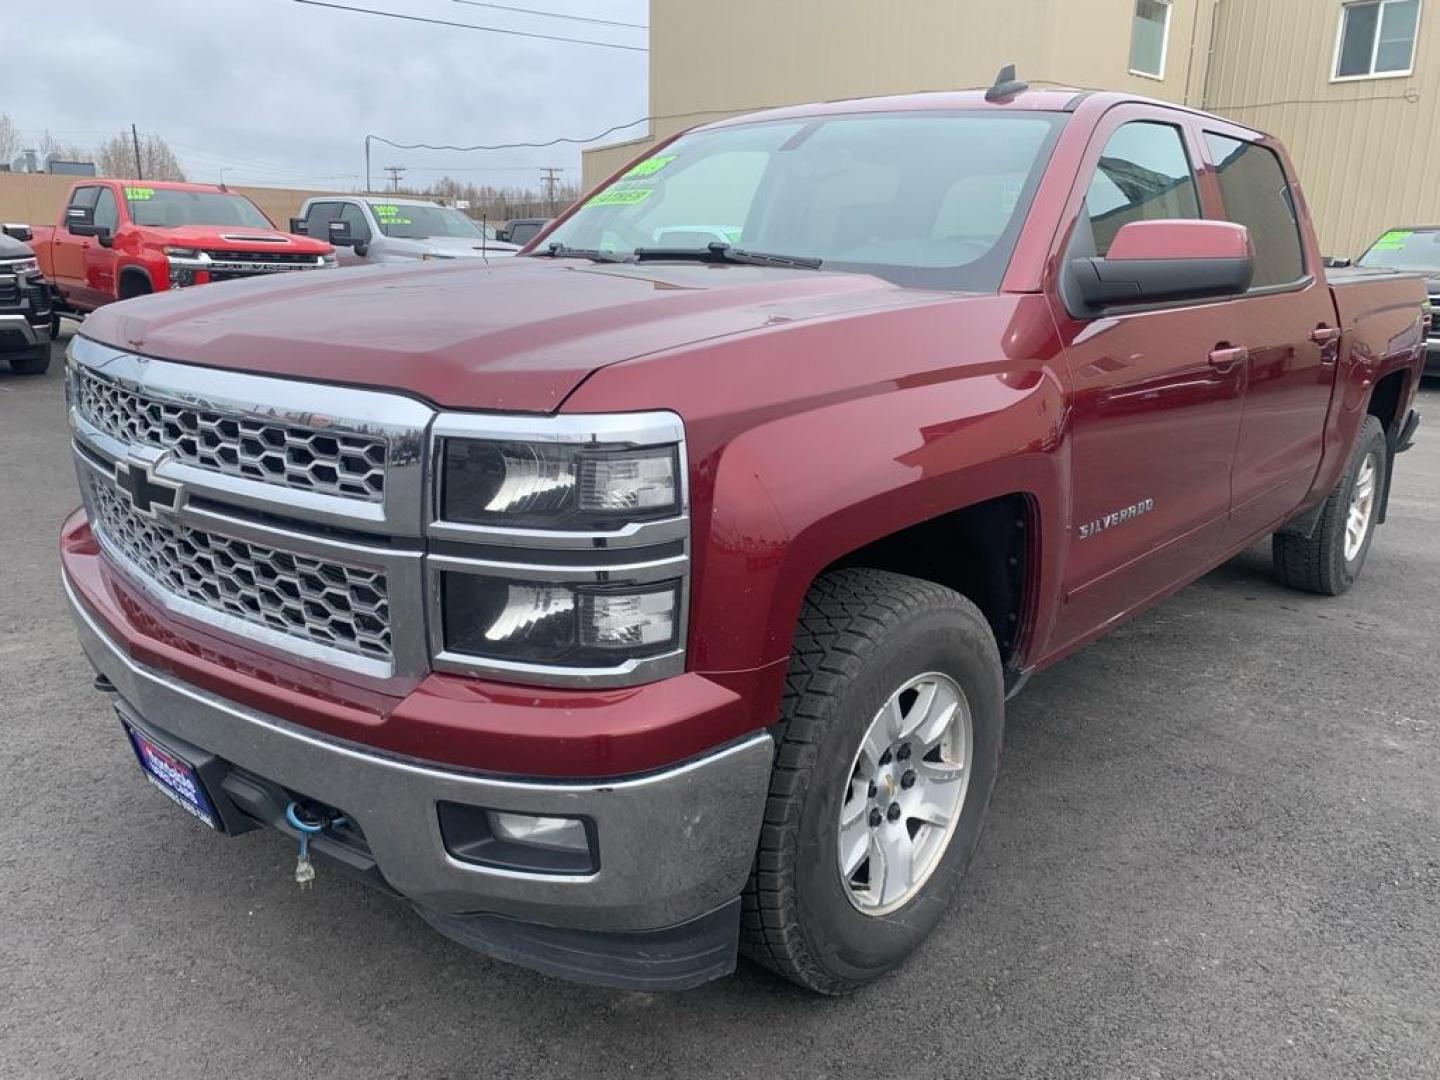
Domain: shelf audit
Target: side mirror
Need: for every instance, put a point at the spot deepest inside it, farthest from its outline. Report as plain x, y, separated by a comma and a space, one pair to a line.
103, 237
297, 226
18, 232
503, 235
340, 234
1333, 263
1166, 261
80, 220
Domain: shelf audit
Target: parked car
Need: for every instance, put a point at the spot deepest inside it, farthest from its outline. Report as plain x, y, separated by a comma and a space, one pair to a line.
386, 230
522, 230
622, 605
1415, 249
118, 239
27, 309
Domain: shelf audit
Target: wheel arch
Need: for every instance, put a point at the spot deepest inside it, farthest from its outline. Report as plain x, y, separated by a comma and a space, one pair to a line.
133, 281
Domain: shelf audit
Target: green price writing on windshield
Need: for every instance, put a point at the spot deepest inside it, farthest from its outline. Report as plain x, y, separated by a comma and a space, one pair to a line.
385, 210
139, 194
1394, 240
650, 166
622, 197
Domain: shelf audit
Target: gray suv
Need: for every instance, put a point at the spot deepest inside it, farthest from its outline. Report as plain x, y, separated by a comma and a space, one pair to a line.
376, 229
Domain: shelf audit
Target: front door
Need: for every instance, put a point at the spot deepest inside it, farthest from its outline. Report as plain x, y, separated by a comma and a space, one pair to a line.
1288, 327
1156, 405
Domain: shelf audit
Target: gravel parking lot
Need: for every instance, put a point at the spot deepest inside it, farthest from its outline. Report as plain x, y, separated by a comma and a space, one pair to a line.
1214, 851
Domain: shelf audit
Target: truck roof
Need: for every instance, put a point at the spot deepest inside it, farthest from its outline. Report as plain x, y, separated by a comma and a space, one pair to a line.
1062, 99
163, 185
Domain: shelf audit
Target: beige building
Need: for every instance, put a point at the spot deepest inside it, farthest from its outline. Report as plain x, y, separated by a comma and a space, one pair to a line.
1353, 88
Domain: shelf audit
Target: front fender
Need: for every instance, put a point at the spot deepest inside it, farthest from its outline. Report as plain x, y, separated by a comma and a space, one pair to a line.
793, 495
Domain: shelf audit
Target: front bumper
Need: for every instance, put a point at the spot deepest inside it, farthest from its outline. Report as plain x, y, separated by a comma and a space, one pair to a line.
1432, 356
674, 846
19, 332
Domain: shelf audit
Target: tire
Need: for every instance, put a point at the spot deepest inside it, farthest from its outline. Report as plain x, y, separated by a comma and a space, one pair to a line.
863, 635
34, 362
1322, 562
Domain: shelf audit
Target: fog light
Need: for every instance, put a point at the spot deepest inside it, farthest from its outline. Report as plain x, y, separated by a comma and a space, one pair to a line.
506, 840
561, 834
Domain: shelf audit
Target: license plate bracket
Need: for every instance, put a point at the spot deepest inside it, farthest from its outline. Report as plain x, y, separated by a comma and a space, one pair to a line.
173, 774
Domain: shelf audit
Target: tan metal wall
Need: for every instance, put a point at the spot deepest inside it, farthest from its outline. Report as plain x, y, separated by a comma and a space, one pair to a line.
36, 198
1368, 152
710, 59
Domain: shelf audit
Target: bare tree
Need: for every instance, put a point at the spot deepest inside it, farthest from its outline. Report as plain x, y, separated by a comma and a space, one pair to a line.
116, 157
503, 204
9, 140
64, 151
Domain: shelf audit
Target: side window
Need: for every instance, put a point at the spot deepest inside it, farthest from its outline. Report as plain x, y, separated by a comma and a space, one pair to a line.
318, 218
1143, 175
106, 216
353, 216
1377, 38
1257, 195
84, 197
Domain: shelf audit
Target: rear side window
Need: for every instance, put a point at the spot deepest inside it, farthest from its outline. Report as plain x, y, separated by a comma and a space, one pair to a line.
1143, 175
1257, 195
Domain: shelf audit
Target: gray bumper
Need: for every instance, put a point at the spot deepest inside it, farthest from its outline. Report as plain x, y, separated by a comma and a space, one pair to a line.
673, 845
33, 335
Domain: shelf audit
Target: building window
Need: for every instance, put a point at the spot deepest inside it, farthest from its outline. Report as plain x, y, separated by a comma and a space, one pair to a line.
1377, 39
1149, 38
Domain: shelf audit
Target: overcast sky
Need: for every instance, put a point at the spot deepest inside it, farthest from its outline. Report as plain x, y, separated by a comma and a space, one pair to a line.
280, 93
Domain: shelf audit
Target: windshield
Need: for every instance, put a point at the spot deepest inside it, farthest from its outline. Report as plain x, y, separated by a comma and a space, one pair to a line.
928, 199
1406, 249
167, 208
413, 221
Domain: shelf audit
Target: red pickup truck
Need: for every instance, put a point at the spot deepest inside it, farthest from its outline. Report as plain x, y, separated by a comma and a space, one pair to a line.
122, 238
656, 594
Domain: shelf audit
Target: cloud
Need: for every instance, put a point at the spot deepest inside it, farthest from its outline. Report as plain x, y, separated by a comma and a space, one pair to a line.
280, 93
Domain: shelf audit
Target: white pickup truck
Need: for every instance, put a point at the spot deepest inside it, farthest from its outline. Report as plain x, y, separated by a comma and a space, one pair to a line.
369, 229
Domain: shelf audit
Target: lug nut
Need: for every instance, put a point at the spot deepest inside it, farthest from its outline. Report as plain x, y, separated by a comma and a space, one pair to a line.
904, 752
885, 758
908, 780
873, 789
893, 813
875, 818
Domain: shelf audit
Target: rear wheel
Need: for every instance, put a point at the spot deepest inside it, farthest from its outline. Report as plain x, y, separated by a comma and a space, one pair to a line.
887, 753
1330, 559
35, 361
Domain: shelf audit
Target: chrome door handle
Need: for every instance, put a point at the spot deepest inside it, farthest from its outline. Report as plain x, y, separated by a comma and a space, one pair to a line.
1325, 335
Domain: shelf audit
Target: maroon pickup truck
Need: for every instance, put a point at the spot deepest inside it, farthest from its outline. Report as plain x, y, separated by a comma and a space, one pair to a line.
655, 595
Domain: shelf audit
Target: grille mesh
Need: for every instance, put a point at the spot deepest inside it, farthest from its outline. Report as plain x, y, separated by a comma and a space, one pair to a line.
352, 466
344, 607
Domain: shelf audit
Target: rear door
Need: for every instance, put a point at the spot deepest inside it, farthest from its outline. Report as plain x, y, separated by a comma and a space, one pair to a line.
1287, 325
1156, 400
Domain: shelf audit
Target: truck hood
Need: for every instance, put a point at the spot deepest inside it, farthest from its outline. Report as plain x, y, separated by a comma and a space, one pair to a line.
516, 334
233, 238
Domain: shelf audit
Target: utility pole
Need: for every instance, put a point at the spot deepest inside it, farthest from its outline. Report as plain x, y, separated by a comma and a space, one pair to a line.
135, 142
367, 164
395, 172
552, 180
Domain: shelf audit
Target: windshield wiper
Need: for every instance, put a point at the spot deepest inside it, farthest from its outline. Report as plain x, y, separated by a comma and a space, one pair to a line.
721, 252
560, 251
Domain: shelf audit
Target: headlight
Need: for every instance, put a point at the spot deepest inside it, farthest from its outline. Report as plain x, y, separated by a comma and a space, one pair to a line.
183, 253
329, 262
20, 266
539, 622
557, 485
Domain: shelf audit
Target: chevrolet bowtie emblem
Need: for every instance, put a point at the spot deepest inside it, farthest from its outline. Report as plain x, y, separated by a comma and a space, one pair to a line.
146, 493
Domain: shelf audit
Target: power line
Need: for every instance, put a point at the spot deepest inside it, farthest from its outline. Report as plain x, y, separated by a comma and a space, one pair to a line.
578, 142
395, 171
472, 26
553, 14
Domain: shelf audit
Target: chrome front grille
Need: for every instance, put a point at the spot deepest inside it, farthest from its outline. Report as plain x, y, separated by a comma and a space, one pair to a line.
321, 600
350, 466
